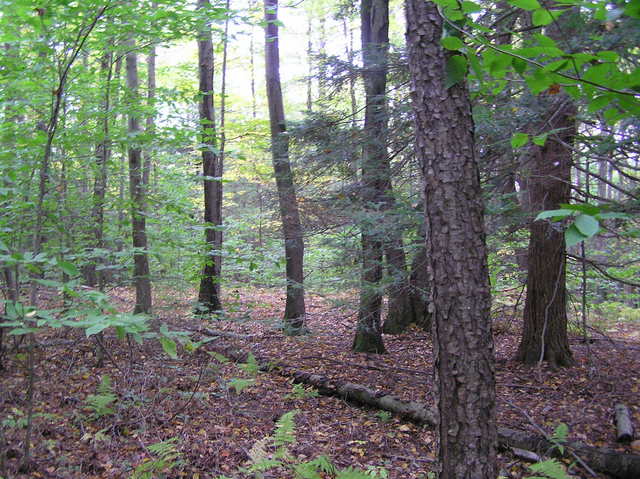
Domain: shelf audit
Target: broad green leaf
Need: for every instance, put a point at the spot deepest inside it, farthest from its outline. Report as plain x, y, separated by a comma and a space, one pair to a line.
525, 4
542, 17
452, 43
519, 140
95, 329
587, 225
540, 140
572, 236
169, 346
456, 70
585, 208
559, 214
538, 82
632, 9
470, 7
68, 268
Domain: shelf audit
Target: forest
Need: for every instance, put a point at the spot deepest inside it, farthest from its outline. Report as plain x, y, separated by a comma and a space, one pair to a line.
317, 239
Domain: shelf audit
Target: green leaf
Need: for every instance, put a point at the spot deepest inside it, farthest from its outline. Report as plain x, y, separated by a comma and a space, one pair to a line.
550, 468
456, 70
169, 346
95, 329
452, 43
542, 17
540, 140
519, 140
587, 225
572, 236
68, 268
555, 214
470, 7
538, 82
525, 4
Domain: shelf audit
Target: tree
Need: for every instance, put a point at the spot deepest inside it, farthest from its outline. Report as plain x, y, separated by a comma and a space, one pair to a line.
294, 314
137, 188
374, 15
456, 252
209, 295
544, 335
547, 186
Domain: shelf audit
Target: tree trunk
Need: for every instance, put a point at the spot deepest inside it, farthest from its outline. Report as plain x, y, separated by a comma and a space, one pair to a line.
137, 190
544, 335
456, 255
103, 153
374, 16
294, 315
209, 295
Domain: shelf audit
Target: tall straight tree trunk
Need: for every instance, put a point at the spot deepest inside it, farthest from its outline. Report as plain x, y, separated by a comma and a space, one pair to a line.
374, 16
456, 255
209, 295
103, 153
294, 315
544, 335
151, 118
137, 189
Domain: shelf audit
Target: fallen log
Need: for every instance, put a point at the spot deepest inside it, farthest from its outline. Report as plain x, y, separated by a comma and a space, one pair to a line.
620, 465
624, 426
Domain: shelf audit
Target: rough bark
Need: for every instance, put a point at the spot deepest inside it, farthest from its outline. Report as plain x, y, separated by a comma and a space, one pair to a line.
137, 190
544, 335
294, 315
456, 254
209, 294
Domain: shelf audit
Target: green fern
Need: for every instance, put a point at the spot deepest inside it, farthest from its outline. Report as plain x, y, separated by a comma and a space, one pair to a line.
167, 457
251, 367
549, 469
100, 403
285, 432
240, 384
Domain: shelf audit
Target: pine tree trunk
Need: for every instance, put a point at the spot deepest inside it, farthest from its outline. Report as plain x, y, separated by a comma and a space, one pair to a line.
294, 315
137, 191
209, 294
374, 17
544, 335
456, 255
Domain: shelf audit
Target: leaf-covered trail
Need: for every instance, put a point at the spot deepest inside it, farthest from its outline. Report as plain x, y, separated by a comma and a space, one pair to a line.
192, 398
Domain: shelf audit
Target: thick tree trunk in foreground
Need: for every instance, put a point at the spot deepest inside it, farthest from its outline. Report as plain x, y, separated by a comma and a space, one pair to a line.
294, 314
456, 255
209, 294
544, 335
137, 191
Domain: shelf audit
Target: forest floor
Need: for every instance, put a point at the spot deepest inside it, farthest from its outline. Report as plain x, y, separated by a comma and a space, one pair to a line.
214, 429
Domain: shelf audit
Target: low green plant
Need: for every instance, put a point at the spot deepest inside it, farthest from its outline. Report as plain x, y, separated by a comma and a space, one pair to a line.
167, 457
101, 402
273, 452
551, 468
298, 391
384, 416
